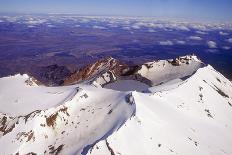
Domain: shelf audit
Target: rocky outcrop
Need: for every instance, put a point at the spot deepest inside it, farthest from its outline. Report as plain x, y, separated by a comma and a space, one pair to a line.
97, 69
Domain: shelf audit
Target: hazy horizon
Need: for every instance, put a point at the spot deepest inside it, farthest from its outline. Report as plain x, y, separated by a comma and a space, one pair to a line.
205, 10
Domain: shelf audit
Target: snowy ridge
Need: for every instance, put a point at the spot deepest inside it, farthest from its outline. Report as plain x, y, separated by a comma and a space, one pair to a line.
189, 113
192, 118
51, 131
162, 71
151, 73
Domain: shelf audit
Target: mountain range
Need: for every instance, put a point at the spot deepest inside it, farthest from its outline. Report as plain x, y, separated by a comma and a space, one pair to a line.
177, 106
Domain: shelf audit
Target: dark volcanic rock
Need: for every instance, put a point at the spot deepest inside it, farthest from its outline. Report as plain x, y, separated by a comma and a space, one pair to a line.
52, 75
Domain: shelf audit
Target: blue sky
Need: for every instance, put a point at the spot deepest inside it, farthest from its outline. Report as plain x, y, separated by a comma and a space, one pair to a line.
215, 10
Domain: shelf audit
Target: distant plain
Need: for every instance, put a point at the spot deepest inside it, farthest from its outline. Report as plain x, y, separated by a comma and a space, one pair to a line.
28, 42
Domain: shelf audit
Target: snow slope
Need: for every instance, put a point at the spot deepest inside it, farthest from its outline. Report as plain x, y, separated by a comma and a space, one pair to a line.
88, 115
17, 93
193, 117
162, 71
190, 113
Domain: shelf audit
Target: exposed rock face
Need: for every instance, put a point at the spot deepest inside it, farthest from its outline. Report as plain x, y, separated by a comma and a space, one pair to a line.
100, 67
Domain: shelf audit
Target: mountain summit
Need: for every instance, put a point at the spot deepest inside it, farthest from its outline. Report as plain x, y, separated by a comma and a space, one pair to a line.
176, 106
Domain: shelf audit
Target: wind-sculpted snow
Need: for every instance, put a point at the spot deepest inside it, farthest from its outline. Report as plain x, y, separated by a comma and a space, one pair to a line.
189, 112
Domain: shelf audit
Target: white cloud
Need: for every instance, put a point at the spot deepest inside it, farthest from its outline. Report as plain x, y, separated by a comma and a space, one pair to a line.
31, 26
223, 33
226, 47
195, 38
167, 43
135, 26
180, 42
33, 21
98, 27
157, 25
138, 25
184, 28
212, 50
199, 27
126, 21
113, 25
84, 20
126, 28
50, 25
212, 44
230, 40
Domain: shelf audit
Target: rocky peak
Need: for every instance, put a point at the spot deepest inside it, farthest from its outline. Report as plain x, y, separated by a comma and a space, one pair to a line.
96, 69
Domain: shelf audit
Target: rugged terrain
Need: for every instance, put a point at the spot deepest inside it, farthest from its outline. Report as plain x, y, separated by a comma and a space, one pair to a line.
176, 106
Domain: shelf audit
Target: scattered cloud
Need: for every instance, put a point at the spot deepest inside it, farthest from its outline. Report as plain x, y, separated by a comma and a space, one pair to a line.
183, 28
32, 21
126, 21
226, 47
135, 26
138, 25
180, 42
84, 20
98, 27
157, 25
223, 33
230, 40
195, 38
166, 43
31, 26
212, 50
199, 27
113, 25
126, 28
212, 44
50, 25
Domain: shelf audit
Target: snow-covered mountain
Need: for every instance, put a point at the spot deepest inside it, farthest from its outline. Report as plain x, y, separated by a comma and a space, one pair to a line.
179, 106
